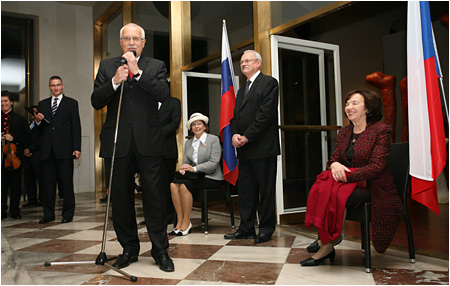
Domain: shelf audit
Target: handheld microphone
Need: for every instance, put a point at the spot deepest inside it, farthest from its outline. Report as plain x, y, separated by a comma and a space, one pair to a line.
124, 61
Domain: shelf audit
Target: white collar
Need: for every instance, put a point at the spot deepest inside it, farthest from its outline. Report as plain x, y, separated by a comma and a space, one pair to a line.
252, 79
202, 138
59, 97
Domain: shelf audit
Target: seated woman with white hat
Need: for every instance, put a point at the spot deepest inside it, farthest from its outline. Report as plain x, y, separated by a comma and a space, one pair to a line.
202, 155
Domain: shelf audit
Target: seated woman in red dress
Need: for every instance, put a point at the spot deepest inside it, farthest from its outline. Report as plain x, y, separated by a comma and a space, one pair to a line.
357, 173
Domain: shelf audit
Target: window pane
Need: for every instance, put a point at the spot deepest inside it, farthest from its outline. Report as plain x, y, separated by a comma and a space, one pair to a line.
153, 16
206, 24
285, 11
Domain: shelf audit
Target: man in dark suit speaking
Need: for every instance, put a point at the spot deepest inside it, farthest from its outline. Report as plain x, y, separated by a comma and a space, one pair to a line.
60, 143
140, 143
254, 127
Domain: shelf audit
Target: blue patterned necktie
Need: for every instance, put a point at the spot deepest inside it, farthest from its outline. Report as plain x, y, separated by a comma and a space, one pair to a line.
54, 106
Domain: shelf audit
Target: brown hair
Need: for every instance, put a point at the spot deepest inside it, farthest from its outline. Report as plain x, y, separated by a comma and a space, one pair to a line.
372, 102
6, 93
206, 126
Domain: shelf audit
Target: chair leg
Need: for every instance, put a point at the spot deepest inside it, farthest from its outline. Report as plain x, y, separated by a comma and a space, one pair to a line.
230, 202
412, 254
205, 214
363, 238
367, 259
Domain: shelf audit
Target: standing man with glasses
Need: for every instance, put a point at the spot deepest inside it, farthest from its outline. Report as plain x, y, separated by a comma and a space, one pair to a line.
60, 143
254, 127
140, 143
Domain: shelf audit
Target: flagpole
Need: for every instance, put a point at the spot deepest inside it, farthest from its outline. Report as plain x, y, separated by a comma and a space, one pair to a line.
444, 99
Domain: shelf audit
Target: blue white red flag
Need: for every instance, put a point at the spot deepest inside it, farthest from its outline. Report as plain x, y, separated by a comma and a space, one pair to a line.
230, 165
426, 125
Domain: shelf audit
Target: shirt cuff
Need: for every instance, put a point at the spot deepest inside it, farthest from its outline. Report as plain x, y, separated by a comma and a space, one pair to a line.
195, 169
140, 74
115, 86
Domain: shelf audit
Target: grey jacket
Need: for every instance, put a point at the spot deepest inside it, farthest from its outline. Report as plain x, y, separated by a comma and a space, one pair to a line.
209, 155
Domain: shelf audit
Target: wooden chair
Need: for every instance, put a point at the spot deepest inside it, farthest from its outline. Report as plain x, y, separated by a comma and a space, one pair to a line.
398, 166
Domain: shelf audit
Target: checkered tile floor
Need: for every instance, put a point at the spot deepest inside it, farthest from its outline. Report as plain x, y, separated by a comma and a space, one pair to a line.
199, 258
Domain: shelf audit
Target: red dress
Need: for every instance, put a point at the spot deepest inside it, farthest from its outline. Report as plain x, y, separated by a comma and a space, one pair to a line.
326, 204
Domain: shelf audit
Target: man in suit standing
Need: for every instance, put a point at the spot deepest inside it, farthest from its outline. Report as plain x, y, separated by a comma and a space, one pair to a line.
254, 127
14, 131
60, 143
32, 171
140, 143
170, 116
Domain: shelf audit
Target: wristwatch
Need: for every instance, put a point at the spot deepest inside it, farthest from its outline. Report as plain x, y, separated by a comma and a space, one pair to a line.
138, 73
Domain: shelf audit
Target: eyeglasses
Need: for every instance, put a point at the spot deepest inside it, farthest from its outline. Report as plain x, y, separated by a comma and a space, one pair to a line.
135, 39
247, 61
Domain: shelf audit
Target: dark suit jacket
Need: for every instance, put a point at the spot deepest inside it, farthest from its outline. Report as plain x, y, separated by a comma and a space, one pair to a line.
19, 130
139, 112
370, 159
170, 116
64, 130
257, 119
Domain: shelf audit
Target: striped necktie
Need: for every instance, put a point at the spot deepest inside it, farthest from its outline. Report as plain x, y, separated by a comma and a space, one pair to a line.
54, 106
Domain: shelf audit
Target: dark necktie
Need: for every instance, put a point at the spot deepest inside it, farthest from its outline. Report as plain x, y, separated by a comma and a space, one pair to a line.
54, 106
247, 87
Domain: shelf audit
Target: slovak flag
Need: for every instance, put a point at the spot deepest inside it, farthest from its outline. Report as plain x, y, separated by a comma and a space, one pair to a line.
230, 165
426, 125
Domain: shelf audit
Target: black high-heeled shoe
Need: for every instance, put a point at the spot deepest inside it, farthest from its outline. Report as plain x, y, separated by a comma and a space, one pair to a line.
314, 262
314, 247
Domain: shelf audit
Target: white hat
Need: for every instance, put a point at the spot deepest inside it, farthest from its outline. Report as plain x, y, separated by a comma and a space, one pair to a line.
196, 116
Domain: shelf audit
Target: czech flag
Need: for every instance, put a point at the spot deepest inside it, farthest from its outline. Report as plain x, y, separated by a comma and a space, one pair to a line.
426, 125
230, 165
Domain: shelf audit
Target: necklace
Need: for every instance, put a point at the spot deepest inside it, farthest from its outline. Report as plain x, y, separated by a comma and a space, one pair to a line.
354, 138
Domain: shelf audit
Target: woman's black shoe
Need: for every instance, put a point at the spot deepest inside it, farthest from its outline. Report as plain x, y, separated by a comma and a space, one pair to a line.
314, 247
314, 262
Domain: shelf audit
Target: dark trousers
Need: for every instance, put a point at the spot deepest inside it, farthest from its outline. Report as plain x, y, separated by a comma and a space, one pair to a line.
256, 182
12, 180
153, 198
57, 172
169, 165
32, 176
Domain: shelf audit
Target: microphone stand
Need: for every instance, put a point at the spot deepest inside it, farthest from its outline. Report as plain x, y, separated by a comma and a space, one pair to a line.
101, 258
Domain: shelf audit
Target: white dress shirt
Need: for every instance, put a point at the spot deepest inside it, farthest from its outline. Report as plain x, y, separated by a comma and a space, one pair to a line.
196, 145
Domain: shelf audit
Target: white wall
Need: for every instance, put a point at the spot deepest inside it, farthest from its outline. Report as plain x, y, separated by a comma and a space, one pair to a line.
64, 47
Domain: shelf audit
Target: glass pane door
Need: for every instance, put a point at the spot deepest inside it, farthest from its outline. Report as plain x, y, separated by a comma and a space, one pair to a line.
310, 106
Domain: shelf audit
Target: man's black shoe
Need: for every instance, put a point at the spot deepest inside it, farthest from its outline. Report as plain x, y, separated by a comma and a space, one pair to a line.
124, 260
46, 220
239, 235
30, 205
104, 200
66, 220
16, 216
262, 238
165, 263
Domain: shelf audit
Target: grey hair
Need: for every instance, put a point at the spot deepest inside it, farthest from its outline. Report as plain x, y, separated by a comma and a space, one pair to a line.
255, 53
133, 24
